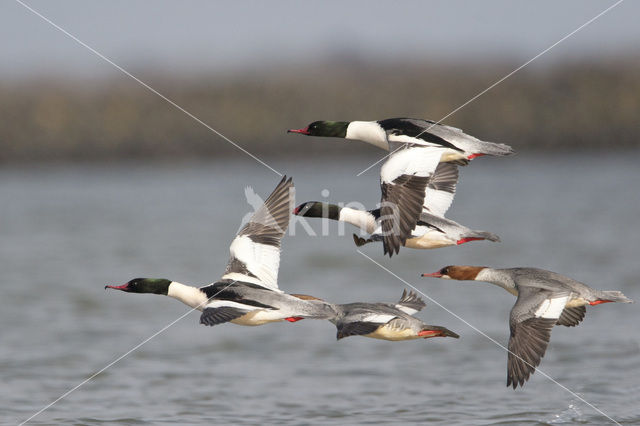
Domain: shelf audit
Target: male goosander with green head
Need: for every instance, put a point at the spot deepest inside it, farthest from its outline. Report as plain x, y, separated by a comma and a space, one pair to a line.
458, 146
432, 230
545, 299
247, 293
417, 147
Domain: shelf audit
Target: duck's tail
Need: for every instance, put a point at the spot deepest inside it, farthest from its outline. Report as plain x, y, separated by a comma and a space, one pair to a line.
477, 235
492, 148
612, 296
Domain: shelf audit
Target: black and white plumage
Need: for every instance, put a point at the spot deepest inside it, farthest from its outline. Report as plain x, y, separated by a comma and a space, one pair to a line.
247, 293
545, 299
416, 148
404, 180
432, 229
255, 251
386, 321
458, 146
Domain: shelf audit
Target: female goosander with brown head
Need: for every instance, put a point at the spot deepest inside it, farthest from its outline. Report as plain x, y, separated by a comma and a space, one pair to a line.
545, 299
247, 293
459, 147
386, 321
432, 230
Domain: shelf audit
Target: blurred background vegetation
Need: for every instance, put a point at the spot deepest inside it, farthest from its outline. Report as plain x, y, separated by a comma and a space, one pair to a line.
253, 69
578, 105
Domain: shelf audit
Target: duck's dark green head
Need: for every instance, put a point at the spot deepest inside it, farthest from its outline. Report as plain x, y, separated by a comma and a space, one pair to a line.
144, 285
317, 209
330, 129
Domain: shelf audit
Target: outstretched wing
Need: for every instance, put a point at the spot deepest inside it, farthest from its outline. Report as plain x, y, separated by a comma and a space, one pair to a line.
571, 317
403, 180
532, 317
410, 303
255, 252
441, 189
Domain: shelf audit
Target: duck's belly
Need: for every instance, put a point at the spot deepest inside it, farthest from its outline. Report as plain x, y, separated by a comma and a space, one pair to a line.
259, 317
451, 156
576, 302
388, 333
430, 240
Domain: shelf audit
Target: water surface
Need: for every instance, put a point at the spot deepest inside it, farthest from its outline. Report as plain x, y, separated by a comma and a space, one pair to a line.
66, 231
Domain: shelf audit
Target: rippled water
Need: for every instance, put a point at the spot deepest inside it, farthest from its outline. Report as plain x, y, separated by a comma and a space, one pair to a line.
66, 231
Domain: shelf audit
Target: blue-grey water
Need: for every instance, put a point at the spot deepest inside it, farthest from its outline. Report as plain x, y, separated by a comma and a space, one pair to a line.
66, 231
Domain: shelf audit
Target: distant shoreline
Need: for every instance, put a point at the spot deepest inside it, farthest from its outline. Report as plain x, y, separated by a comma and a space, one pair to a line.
574, 106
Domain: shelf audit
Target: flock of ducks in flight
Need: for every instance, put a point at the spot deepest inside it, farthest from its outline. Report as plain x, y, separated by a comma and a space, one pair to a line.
418, 182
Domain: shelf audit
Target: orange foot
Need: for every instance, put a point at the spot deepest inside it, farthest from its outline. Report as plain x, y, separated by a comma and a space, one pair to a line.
466, 240
597, 302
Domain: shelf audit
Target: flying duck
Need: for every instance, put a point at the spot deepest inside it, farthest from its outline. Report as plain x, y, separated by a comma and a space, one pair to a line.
409, 168
432, 230
459, 147
545, 299
247, 293
386, 321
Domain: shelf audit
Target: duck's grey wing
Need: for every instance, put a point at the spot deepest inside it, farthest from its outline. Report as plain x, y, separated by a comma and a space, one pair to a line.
255, 252
532, 317
571, 317
403, 181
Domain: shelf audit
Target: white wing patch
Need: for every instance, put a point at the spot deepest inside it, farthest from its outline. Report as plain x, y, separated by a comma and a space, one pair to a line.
378, 318
406, 309
411, 161
551, 308
262, 260
216, 303
437, 202
412, 140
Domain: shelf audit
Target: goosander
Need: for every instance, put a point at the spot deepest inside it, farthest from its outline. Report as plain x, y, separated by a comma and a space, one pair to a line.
432, 229
247, 293
545, 299
459, 147
386, 321
406, 173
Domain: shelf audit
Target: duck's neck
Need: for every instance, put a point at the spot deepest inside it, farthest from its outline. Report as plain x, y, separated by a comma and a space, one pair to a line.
368, 131
189, 295
359, 218
498, 277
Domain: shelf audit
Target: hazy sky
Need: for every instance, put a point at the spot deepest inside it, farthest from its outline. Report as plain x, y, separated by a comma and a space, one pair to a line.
174, 36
